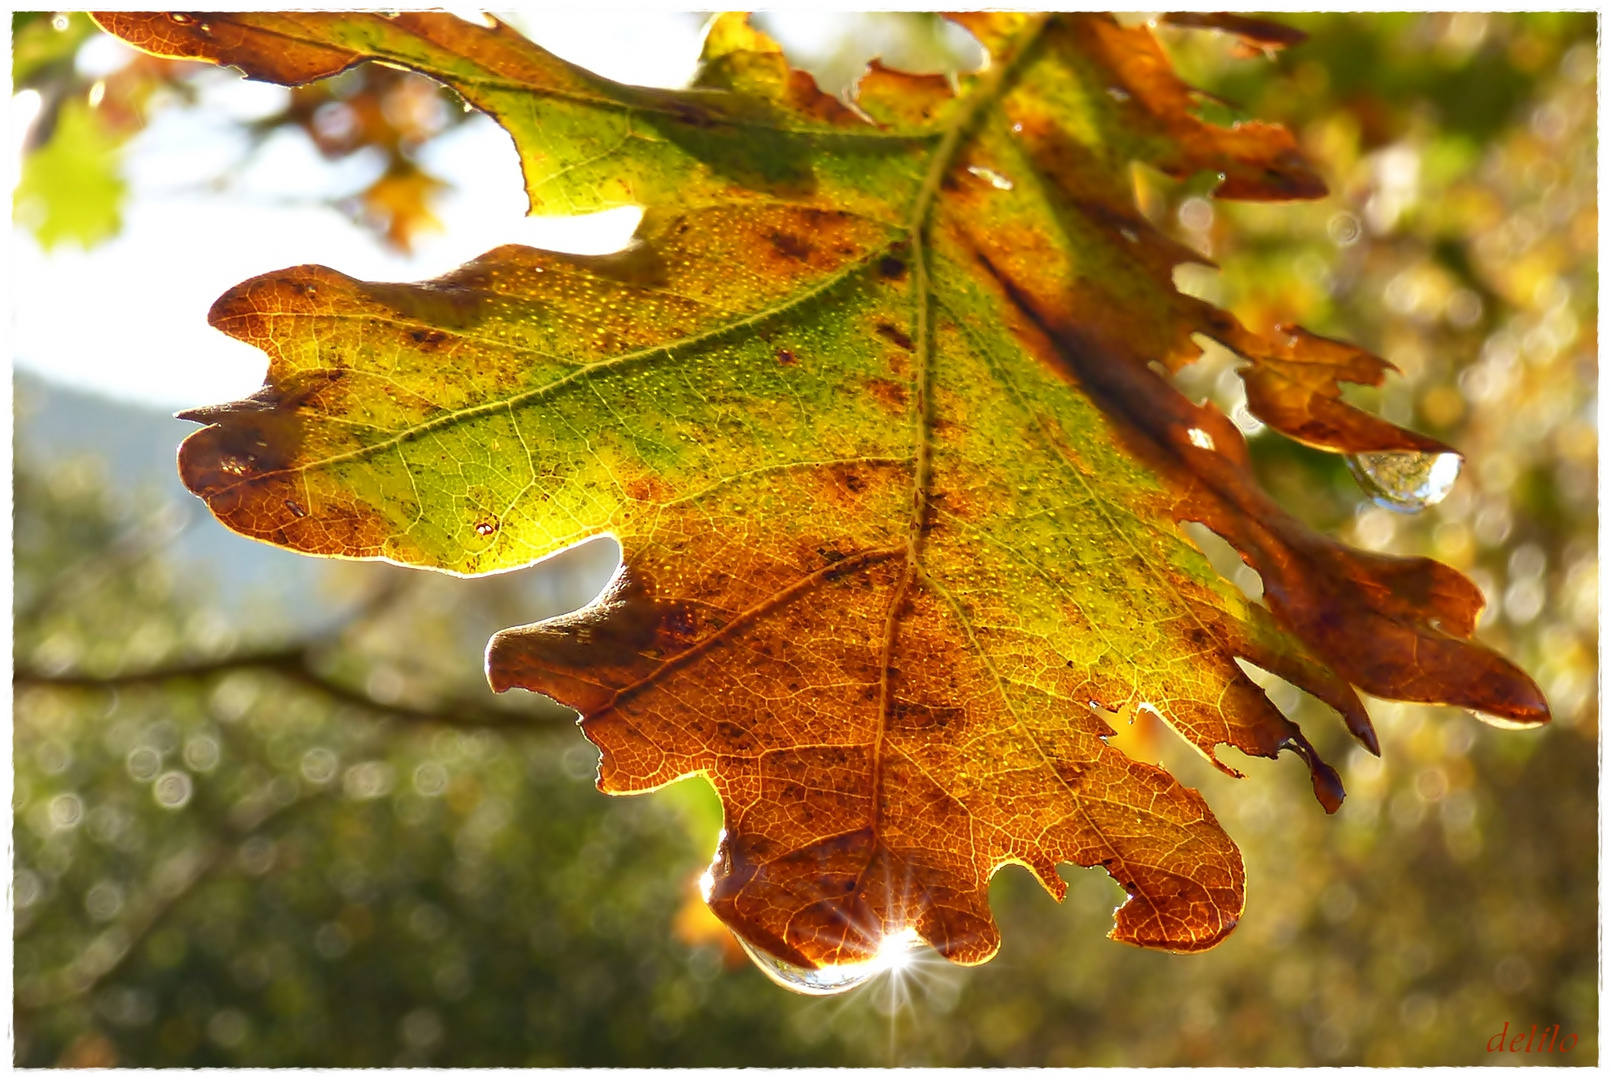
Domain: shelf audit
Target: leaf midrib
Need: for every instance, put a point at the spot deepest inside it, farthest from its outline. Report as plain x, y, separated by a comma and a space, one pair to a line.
986, 92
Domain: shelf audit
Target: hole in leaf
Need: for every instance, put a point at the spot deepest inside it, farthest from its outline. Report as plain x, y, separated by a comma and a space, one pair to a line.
1282, 694
1139, 733
837, 48
1225, 559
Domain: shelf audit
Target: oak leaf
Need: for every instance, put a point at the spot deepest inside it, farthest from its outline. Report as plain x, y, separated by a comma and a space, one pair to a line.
877, 406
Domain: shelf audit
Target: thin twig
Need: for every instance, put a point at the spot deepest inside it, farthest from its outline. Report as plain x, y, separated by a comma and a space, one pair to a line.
295, 664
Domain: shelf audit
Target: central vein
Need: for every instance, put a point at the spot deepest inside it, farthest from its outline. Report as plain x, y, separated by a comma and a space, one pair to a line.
986, 92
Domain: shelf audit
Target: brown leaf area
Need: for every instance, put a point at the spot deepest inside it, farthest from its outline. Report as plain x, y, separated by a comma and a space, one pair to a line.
892, 646
868, 778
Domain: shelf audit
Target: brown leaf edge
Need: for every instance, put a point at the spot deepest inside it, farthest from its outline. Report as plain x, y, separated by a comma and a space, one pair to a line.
1293, 377
1259, 34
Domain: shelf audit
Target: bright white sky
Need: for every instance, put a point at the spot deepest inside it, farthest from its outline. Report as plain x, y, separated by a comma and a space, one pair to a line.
128, 319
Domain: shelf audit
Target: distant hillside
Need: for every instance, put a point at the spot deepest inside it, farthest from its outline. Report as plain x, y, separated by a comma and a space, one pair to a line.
137, 445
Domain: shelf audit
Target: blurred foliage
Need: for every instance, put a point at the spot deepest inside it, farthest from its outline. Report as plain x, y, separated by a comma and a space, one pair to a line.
72, 188
238, 867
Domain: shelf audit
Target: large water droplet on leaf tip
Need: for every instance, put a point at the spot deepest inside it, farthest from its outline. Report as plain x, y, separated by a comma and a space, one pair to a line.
1405, 480
835, 979
1504, 723
893, 954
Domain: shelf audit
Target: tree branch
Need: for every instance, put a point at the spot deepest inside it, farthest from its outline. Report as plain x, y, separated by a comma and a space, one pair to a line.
294, 664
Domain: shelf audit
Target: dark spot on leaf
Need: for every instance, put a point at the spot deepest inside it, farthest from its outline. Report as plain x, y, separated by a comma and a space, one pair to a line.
648, 488
790, 245
891, 267
891, 394
895, 334
787, 358
852, 480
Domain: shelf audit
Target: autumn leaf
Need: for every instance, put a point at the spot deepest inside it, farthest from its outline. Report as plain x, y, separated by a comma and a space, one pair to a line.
877, 405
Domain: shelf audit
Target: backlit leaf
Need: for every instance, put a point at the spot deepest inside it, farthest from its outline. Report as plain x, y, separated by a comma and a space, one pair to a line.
71, 189
877, 406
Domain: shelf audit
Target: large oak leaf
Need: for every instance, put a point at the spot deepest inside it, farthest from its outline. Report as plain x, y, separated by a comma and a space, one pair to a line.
877, 406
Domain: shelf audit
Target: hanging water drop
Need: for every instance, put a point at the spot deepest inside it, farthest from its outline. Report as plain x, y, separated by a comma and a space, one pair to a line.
1504, 723
893, 954
819, 982
991, 177
1405, 480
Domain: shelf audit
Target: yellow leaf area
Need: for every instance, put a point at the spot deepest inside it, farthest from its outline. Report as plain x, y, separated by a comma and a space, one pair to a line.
873, 405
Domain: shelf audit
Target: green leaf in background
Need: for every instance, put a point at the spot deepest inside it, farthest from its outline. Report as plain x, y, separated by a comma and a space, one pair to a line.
71, 190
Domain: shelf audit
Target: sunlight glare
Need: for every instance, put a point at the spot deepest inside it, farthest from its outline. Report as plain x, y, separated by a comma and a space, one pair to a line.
895, 951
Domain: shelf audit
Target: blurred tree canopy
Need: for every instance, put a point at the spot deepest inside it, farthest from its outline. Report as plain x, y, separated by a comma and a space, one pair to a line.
91, 106
235, 847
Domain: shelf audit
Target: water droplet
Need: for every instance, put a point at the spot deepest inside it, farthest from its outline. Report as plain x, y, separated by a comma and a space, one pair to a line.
486, 528
1405, 480
1130, 235
1117, 94
893, 954
997, 181
296, 511
180, 18
60, 22
172, 789
1503, 723
1200, 438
